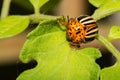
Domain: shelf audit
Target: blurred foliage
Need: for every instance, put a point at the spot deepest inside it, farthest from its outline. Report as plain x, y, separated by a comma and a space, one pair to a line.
50, 5
45, 9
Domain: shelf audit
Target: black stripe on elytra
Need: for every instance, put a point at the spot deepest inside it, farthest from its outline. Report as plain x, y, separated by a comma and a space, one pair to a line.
89, 39
87, 20
92, 28
89, 23
91, 33
81, 17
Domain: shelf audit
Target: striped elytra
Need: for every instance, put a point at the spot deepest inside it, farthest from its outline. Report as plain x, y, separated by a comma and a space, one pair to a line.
81, 30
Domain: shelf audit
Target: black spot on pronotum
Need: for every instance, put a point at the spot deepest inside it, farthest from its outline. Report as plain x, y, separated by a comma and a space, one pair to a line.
77, 40
85, 28
75, 23
82, 34
78, 32
70, 29
81, 29
70, 33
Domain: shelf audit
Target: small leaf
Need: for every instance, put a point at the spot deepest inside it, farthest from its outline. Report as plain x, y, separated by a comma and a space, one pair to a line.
56, 60
114, 33
111, 73
13, 25
105, 8
38, 3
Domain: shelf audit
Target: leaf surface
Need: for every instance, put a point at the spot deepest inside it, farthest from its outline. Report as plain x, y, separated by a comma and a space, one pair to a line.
114, 33
105, 8
56, 60
13, 25
111, 73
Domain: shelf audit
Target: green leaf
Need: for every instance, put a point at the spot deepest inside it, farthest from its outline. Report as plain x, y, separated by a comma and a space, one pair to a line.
56, 60
38, 3
105, 8
97, 3
13, 25
111, 73
114, 33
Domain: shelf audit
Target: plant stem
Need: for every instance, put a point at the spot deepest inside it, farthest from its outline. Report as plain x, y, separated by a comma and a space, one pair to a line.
5, 8
109, 46
41, 17
36, 11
